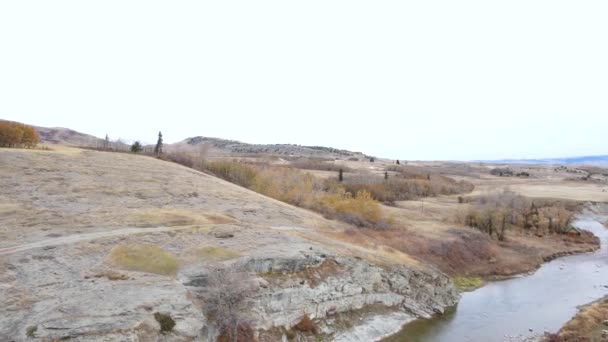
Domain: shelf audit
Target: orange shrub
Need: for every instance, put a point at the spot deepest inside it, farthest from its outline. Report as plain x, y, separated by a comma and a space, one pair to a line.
14, 134
361, 210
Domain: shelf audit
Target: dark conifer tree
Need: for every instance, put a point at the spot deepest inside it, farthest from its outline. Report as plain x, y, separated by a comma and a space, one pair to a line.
158, 149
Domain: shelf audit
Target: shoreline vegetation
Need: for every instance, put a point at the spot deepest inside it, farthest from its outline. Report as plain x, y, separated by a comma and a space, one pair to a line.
589, 324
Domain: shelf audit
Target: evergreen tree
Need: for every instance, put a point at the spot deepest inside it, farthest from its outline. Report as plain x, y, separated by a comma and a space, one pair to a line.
106, 142
385, 175
398, 162
136, 147
159, 144
340, 175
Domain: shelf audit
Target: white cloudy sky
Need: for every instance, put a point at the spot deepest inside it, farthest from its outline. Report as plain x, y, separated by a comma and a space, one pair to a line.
401, 79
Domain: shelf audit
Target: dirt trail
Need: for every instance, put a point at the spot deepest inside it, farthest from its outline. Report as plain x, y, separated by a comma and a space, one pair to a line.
64, 240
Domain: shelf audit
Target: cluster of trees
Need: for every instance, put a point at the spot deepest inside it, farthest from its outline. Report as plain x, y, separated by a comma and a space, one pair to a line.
14, 134
402, 187
496, 213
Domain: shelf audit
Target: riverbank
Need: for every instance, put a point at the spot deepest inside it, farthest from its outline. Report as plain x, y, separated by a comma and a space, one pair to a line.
523, 307
590, 324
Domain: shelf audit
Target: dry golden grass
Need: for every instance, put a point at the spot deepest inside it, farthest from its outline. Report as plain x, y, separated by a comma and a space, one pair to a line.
215, 253
170, 217
144, 258
586, 325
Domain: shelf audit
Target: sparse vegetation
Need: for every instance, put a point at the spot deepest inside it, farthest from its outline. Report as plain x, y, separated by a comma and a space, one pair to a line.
318, 164
226, 304
587, 325
14, 134
405, 187
144, 258
468, 283
167, 323
217, 253
307, 325
301, 189
31, 331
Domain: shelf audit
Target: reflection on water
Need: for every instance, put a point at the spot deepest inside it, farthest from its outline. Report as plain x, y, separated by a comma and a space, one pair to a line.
523, 306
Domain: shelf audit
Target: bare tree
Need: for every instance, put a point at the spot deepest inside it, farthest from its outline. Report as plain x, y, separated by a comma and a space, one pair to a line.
227, 304
200, 156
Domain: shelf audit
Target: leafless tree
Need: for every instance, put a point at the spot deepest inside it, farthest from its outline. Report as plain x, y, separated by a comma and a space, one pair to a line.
227, 303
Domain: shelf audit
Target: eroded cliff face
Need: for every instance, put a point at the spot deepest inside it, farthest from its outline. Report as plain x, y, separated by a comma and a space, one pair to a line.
282, 291
275, 291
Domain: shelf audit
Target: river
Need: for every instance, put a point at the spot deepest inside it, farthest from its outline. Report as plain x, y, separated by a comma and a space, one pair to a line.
521, 307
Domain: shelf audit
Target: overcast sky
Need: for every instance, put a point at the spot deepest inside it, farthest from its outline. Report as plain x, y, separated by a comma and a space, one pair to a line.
400, 79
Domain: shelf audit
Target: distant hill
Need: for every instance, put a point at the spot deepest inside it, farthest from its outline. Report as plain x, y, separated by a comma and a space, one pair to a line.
589, 160
65, 136
233, 147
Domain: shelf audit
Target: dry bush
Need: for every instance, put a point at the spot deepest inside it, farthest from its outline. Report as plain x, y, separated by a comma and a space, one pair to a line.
14, 134
306, 325
405, 187
144, 258
298, 188
587, 325
316, 164
233, 172
464, 253
226, 303
361, 210
216, 253
288, 185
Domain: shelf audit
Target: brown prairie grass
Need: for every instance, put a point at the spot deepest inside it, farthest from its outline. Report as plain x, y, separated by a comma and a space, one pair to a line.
215, 253
171, 217
587, 325
144, 258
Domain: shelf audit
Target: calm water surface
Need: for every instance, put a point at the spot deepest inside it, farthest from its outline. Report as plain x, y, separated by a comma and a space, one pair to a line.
543, 301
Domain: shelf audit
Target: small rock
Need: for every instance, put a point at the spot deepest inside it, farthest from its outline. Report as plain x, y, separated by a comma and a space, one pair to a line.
605, 323
223, 235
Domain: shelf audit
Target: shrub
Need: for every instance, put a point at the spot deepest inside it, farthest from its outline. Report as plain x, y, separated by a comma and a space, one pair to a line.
234, 172
361, 210
306, 325
14, 134
136, 147
400, 188
31, 331
166, 322
237, 332
316, 164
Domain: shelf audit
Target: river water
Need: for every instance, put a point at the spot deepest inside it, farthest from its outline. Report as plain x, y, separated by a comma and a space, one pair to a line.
521, 307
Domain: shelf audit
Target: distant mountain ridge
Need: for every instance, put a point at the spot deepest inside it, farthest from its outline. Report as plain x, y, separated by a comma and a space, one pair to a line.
593, 160
241, 148
66, 136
